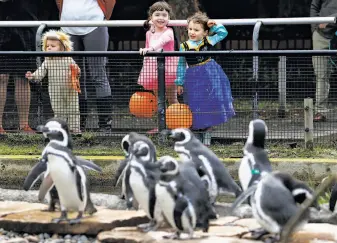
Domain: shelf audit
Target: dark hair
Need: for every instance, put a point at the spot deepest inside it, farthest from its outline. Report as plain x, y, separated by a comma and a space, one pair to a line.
161, 6
199, 18
158, 6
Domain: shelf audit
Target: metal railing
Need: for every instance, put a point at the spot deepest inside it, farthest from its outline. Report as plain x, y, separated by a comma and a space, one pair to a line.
123, 71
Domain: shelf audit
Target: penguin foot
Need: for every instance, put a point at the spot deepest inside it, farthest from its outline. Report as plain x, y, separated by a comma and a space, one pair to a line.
257, 234
77, 219
147, 227
174, 236
272, 239
62, 218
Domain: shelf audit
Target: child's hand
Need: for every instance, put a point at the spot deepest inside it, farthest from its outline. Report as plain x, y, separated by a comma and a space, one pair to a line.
29, 75
322, 26
180, 90
211, 23
143, 51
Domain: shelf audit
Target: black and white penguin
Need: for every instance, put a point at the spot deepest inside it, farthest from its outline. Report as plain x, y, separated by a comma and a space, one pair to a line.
333, 198
255, 160
300, 190
183, 197
126, 144
273, 204
144, 175
40, 167
189, 148
64, 173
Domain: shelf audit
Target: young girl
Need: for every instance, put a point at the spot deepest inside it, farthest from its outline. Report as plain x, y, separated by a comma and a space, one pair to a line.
207, 88
158, 37
63, 83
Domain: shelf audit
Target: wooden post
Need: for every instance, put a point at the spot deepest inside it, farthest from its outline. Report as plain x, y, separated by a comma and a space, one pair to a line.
309, 123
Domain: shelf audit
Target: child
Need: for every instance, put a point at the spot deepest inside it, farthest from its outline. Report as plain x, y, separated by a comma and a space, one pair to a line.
159, 37
63, 86
207, 87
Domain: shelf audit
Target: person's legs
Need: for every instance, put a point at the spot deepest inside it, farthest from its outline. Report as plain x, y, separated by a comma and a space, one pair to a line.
22, 99
83, 106
322, 70
171, 94
98, 41
73, 112
3, 95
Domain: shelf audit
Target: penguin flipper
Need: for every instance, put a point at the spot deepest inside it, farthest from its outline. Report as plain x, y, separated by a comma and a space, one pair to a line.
46, 185
120, 172
243, 197
35, 173
333, 198
87, 164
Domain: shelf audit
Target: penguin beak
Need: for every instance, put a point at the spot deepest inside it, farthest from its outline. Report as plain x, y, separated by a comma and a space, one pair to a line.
42, 129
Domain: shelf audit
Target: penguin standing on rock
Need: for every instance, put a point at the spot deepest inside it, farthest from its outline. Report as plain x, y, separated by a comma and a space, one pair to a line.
182, 197
64, 172
143, 177
40, 168
273, 205
127, 144
208, 165
333, 198
255, 160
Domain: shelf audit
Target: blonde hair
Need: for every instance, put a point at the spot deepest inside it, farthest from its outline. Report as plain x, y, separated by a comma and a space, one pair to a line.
199, 18
57, 35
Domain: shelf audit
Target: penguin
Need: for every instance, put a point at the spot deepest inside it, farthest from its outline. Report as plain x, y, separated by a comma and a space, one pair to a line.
64, 173
126, 144
143, 176
40, 168
333, 198
273, 204
189, 148
255, 160
183, 197
300, 190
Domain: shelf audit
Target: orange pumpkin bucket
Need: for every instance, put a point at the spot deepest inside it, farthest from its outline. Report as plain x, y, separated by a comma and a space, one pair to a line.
143, 104
178, 116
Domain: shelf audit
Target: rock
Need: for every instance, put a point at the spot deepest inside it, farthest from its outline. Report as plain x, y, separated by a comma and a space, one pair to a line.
32, 238
17, 240
25, 217
227, 229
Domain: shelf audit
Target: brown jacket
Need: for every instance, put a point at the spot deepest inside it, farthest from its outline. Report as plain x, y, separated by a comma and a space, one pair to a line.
106, 6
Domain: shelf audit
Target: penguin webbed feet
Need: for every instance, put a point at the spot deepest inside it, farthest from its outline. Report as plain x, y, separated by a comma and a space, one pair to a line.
77, 219
257, 234
174, 236
64, 217
147, 227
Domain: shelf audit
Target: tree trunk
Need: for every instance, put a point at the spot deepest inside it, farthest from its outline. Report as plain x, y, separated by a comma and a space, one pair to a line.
183, 11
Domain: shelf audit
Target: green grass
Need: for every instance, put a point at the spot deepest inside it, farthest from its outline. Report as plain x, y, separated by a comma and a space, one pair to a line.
88, 144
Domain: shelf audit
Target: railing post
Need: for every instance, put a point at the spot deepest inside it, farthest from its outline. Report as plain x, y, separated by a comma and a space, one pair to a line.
282, 85
38, 47
309, 123
256, 31
161, 97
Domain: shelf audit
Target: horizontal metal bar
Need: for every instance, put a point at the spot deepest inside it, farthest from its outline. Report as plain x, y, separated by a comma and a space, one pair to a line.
298, 53
139, 23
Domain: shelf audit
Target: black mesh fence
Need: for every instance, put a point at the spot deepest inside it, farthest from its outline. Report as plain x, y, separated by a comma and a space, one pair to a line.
218, 94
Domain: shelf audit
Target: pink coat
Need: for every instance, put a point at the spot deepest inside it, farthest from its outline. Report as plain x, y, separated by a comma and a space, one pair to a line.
148, 77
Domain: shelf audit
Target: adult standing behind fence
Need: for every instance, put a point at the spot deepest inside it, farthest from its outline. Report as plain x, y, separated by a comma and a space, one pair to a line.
17, 39
321, 37
91, 39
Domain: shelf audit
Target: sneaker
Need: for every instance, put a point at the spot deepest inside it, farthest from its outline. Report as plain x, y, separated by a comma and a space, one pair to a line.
2, 131
27, 129
153, 131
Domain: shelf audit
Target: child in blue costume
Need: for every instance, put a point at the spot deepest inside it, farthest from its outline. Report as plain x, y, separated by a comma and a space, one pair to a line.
206, 87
